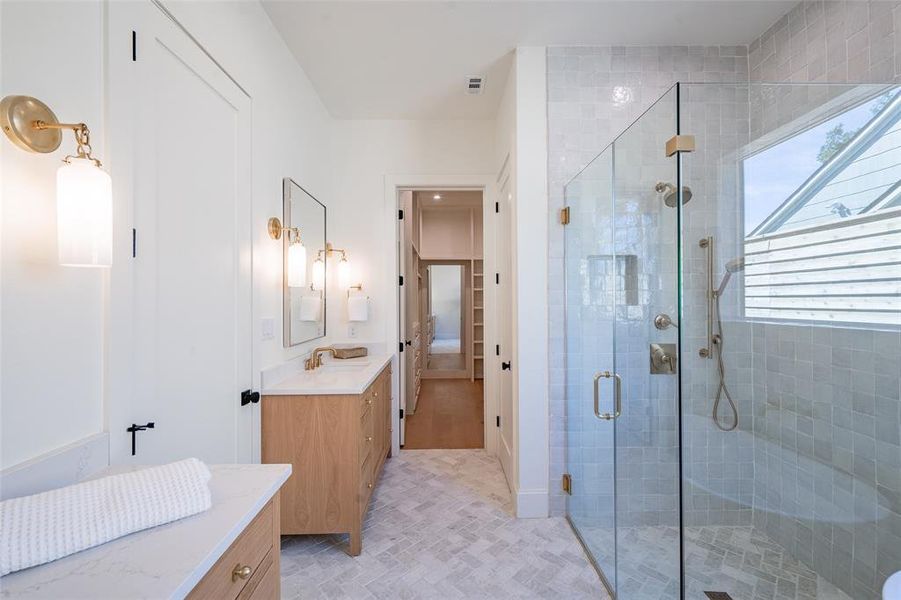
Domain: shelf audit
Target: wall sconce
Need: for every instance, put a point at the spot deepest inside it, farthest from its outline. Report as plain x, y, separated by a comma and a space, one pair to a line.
84, 196
296, 258
344, 271
318, 283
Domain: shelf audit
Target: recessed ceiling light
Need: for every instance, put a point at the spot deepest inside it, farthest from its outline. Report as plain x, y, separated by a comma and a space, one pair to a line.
436, 197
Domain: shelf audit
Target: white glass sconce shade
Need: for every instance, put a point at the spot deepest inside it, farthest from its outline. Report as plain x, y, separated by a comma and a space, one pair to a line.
344, 274
297, 264
318, 274
84, 213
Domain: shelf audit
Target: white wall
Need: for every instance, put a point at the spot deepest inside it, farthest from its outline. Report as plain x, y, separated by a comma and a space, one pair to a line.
365, 153
530, 261
52, 317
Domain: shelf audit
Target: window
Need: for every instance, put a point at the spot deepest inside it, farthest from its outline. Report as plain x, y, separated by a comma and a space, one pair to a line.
822, 214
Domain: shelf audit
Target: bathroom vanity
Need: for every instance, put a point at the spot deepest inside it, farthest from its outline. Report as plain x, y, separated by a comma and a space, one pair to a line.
333, 425
230, 551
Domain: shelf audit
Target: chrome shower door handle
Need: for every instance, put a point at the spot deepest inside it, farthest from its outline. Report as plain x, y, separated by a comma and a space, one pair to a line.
617, 395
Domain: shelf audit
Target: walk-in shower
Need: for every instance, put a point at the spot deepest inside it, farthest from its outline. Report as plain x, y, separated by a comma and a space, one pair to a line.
784, 323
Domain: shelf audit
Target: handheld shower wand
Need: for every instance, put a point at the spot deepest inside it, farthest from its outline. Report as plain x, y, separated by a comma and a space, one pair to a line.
733, 266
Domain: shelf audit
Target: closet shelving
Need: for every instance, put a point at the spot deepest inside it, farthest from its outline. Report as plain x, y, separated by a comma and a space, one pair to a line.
478, 319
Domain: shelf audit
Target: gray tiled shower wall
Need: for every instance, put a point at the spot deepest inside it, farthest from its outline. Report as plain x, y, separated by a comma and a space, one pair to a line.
816, 461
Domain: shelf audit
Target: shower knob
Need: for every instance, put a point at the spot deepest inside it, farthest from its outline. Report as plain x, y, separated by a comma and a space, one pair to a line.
664, 321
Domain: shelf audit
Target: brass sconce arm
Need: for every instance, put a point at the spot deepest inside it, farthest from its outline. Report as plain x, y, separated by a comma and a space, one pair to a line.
32, 126
276, 229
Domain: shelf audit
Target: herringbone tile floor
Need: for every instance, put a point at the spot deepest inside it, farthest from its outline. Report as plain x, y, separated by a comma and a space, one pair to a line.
440, 526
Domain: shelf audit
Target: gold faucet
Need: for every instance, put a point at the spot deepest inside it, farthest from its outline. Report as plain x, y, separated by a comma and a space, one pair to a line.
315, 360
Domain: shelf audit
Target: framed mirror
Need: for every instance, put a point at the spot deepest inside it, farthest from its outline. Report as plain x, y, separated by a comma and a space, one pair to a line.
303, 281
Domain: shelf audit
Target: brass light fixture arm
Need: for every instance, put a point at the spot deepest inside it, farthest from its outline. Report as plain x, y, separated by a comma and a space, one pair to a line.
82, 138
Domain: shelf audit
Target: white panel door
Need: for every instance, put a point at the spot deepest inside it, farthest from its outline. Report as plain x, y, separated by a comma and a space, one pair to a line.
192, 269
504, 320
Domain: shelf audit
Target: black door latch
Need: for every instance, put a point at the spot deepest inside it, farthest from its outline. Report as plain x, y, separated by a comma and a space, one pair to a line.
247, 397
505, 366
134, 429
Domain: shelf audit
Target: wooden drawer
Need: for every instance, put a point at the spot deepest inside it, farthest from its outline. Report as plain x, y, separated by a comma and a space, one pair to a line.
250, 549
264, 584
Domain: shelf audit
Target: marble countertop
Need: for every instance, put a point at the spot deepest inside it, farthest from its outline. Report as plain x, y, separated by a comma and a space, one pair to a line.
349, 376
161, 562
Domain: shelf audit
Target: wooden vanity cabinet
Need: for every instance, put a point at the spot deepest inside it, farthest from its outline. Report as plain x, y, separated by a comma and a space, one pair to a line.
337, 446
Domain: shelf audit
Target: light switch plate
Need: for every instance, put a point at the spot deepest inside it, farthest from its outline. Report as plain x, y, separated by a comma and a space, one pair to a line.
267, 328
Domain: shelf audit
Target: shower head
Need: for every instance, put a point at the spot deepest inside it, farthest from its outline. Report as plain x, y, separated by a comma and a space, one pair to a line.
671, 197
733, 266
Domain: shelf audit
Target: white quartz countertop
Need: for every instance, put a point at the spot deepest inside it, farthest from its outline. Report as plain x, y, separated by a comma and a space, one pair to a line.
349, 376
161, 562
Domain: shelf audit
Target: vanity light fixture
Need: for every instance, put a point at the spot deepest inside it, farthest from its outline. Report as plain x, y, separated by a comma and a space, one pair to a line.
318, 282
296, 257
84, 191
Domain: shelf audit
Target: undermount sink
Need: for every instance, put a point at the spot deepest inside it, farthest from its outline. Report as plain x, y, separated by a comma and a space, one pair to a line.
337, 366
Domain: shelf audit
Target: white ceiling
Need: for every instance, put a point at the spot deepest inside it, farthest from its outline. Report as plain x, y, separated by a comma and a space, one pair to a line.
409, 59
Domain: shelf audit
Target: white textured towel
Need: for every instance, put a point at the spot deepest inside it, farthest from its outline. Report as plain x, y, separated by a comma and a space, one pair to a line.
44, 527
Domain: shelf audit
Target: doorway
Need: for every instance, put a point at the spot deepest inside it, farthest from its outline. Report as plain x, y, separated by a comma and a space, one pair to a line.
442, 316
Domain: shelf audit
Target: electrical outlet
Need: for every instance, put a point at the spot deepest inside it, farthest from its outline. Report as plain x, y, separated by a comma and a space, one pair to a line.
352, 330
267, 328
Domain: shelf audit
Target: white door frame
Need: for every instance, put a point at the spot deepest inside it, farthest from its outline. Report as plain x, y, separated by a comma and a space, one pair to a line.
485, 183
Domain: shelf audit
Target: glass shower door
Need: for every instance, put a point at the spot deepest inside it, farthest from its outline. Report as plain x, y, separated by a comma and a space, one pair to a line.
589, 272
622, 387
646, 439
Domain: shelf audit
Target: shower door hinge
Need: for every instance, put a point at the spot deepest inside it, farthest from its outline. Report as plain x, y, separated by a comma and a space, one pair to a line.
568, 483
400, 215
564, 215
680, 143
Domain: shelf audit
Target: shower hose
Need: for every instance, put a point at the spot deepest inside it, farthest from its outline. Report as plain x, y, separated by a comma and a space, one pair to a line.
721, 390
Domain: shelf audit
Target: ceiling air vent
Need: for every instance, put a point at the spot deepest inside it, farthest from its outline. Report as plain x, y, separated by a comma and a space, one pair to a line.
475, 85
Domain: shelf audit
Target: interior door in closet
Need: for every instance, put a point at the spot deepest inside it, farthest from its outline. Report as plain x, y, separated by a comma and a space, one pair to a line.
192, 306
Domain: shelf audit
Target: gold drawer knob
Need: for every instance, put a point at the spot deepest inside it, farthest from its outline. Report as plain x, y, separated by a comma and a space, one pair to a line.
369, 401
240, 572
369, 486
369, 438
376, 394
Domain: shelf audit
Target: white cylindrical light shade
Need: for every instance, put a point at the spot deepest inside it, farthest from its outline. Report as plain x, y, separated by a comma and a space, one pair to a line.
344, 274
318, 274
84, 214
297, 265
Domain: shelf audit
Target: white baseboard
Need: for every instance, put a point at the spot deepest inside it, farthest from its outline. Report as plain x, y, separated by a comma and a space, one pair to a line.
532, 504
63, 466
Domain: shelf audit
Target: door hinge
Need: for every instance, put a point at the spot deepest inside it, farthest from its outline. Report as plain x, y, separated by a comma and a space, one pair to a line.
505, 366
401, 278
564, 215
400, 215
134, 46
401, 346
134, 242
401, 413
497, 278
497, 207
248, 396
498, 420
568, 483
497, 350
680, 143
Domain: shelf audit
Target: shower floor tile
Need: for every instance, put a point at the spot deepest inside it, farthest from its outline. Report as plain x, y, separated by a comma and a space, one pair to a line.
741, 561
